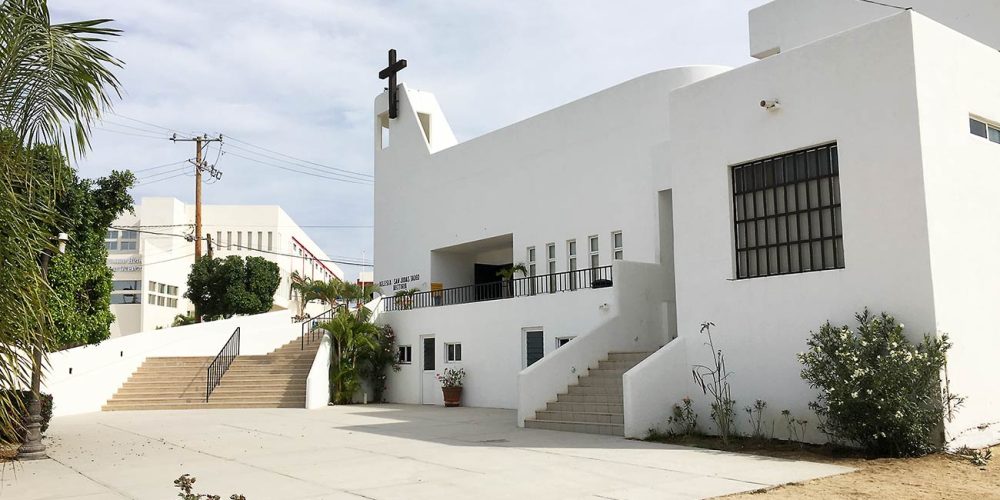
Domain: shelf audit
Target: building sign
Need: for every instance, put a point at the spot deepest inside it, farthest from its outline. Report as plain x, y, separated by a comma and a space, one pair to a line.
125, 264
400, 283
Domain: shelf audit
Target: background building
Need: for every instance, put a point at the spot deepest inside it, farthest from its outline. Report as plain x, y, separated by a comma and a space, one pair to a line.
151, 257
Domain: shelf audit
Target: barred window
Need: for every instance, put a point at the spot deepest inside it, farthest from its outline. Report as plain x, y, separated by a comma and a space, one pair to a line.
787, 214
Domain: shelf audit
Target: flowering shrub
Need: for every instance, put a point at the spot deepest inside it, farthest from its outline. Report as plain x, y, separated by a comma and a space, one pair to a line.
877, 390
452, 377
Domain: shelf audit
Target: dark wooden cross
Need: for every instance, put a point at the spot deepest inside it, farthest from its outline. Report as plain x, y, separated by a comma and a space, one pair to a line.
390, 73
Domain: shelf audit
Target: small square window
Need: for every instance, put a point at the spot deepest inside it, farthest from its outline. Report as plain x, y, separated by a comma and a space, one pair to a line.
151, 299
404, 354
454, 352
561, 341
593, 243
616, 239
977, 127
994, 134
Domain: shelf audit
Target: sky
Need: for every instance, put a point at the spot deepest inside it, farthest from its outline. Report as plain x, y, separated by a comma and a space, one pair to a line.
290, 84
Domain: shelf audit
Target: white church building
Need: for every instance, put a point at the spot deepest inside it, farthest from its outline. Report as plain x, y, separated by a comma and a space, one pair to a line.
856, 163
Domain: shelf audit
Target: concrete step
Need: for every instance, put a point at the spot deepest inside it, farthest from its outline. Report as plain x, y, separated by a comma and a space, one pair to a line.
584, 427
600, 382
624, 366
585, 398
245, 391
582, 417
634, 357
605, 373
591, 390
200, 397
585, 407
226, 382
198, 405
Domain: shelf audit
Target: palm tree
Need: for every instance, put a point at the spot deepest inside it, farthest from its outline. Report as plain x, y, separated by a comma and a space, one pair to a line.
304, 289
507, 274
328, 292
360, 294
54, 83
351, 337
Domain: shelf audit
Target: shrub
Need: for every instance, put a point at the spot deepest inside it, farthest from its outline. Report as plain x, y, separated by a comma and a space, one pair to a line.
24, 397
877, 390
684, 417
185, 483
714, 380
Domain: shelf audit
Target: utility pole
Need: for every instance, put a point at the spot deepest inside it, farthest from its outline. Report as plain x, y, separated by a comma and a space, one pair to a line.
200, 166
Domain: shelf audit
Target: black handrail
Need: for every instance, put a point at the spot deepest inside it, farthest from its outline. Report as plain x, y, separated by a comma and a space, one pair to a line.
310, 326
566, 281
221, 363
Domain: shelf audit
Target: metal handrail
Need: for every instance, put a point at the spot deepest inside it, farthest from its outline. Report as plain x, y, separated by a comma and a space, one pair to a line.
309, 326
566, 281
221, 363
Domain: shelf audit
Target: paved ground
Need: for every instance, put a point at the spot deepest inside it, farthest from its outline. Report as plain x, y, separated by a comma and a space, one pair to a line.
375, 452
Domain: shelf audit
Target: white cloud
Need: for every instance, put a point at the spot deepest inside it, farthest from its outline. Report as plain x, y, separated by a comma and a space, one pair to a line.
299, 77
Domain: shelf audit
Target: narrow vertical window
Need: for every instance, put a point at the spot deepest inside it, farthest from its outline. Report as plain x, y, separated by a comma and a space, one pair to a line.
550, 256
260, 239
595, 256
229, 240
249, 240
616, 241
532, 270
218, 238
270, 241
239, 240
571, 263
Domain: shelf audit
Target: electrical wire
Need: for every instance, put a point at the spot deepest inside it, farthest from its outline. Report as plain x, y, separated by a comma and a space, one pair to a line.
146, 183
157, 174
158, 166
172, 130
298, 171
130, 133
356, 177
244, 247
168, 260
351, 172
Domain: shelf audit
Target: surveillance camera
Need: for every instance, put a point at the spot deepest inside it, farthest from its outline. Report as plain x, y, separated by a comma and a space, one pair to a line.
770, 104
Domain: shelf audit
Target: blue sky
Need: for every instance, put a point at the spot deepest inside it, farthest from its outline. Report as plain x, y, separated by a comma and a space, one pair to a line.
299, 77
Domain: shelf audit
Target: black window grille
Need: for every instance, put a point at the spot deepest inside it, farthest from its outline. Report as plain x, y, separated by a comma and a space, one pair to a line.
787, 214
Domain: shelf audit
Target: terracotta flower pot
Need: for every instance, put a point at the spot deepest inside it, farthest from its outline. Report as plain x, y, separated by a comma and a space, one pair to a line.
452, 396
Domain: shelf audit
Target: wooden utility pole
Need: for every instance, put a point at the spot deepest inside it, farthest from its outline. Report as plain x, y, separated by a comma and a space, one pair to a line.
200, 166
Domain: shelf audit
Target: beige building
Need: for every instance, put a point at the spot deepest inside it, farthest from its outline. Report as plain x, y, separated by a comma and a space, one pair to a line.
151, 256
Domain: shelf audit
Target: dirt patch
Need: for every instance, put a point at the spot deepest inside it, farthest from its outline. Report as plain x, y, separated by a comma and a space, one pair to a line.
934, 476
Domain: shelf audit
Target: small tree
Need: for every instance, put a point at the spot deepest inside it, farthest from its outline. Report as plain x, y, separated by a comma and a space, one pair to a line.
877, 390
222, 288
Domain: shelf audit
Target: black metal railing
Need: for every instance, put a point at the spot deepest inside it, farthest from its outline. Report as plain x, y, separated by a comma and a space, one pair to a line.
310, 327
567, 281
221, 363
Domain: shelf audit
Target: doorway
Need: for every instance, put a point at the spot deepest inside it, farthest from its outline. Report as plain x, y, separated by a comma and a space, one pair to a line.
534, 346
487, 280
429, 392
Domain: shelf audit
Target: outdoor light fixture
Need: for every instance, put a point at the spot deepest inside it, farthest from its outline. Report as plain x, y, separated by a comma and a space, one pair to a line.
770, 104
63, 238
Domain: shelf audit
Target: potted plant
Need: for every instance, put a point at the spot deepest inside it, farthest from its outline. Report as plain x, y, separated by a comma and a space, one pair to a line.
507, 275
451, 385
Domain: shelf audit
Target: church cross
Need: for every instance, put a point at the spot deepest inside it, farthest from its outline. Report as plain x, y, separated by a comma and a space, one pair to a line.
390, 73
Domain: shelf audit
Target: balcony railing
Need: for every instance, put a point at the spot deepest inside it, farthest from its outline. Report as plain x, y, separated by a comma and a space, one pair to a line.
567, 281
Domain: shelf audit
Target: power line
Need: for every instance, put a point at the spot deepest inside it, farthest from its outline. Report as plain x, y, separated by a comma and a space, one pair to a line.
168, 260
158, 166
229, 245
146, 183
178, 132
301, 160
129, 133
157, 174
356, 177
349, 181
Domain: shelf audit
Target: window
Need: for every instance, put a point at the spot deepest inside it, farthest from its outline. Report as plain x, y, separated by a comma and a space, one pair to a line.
561, 341
984, 129
229, 240
121, 240
260, 239
404, 354
616, 243
152, 286
125, 285
787, 214
249, 240
160, 300
595, 256
532, 269
218, 238
151, 299
126, 298
270, 247
454, 352
239, 240
550, 255
161, 288
571, 263
171, 290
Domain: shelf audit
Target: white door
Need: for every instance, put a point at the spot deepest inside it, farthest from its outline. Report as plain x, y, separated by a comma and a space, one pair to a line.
430, 391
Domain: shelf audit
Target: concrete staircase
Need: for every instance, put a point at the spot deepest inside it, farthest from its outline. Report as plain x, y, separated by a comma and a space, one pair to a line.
274, 380
594, 405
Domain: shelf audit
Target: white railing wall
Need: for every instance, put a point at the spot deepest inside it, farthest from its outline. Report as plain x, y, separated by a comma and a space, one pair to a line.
318, 380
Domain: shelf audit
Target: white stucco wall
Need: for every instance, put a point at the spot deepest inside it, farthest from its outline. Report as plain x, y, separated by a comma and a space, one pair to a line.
318, 380
99, 370
782, 25
762, 323
956, 77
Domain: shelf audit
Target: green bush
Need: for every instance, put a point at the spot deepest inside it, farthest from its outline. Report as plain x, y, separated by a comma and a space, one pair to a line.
24, 397
877, 390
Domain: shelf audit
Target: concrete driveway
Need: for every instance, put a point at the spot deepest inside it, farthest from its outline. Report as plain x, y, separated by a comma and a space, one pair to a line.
375, 452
